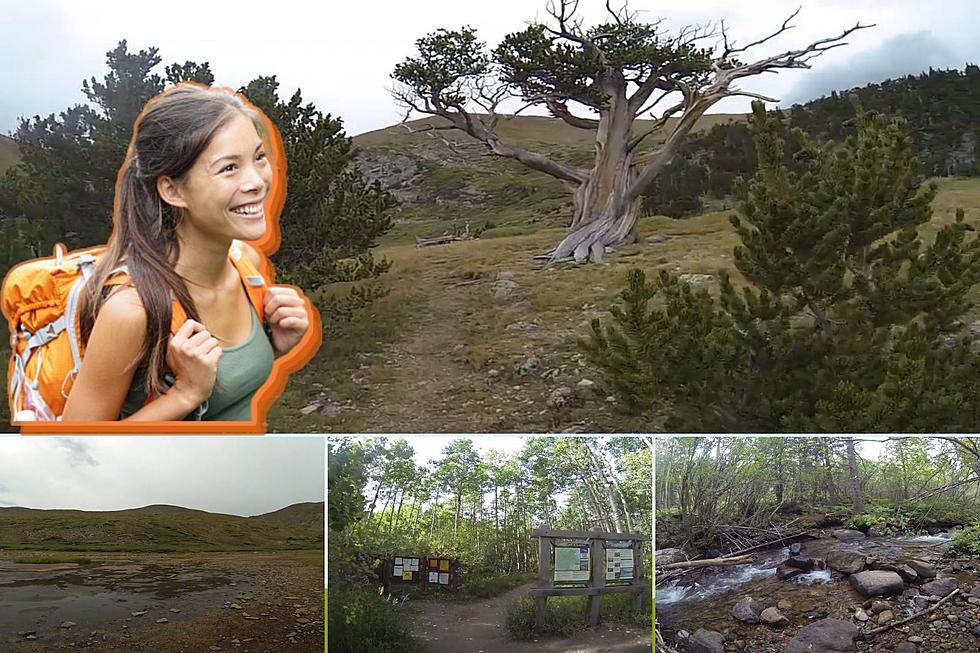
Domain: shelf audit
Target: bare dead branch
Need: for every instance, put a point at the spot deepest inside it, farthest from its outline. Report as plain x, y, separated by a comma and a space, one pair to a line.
560, 110
877, 631
656, 126
713, 562
757, 96
651, 106
730, 50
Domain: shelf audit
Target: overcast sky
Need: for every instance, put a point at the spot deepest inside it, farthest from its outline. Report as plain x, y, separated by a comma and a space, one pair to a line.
341, 54
233, 475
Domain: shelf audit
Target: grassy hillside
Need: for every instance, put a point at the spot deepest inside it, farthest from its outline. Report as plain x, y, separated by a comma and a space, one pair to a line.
446, 180
153, 528
299, 515
8, 153
439, 354
518, 130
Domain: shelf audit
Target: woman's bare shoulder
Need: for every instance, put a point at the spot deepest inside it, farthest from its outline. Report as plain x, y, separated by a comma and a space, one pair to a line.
122, 310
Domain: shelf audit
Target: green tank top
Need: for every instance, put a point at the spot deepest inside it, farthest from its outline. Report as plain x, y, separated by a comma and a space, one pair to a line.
242, 370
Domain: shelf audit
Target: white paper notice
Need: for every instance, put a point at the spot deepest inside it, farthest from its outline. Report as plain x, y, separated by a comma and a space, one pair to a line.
399, 570
443, 579
398, 561
434, 577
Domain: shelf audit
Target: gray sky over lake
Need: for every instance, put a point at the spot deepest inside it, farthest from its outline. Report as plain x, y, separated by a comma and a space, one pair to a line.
341, 54
233, 475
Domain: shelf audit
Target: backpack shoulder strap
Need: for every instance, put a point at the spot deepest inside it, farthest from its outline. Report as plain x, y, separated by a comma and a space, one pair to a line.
252, 279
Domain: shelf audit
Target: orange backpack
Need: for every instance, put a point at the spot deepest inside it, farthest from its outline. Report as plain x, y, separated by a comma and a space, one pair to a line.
40, 302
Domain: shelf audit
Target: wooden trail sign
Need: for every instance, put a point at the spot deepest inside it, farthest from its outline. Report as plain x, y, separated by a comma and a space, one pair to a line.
419, 571
590, 563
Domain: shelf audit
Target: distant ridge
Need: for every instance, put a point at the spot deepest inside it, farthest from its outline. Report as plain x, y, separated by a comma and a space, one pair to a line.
160, 527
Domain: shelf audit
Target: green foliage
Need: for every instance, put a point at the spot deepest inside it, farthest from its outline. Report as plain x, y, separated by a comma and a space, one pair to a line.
879, 520
487, 587
538, 62
332, 216
62, 189
449, 65
346, 477
361, 621
520, 619
677, 191
851, 321
707, 484
966, 541
566, 615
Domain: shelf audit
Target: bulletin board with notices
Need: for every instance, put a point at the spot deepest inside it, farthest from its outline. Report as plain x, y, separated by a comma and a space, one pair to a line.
443, 573
406, 570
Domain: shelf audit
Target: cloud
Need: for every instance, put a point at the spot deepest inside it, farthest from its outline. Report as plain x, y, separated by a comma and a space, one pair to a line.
904, 54
78, 452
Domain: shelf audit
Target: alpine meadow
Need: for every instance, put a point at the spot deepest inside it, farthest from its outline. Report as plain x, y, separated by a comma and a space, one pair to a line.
629, 263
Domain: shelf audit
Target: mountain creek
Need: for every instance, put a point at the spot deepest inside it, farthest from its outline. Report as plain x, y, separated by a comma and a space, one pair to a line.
775, 603
139, 602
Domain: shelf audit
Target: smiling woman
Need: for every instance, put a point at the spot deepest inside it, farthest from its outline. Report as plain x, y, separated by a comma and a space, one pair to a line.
175, 319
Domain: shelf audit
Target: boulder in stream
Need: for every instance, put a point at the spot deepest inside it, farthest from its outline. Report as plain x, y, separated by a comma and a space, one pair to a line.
940, 587
747, 610
784, 572
795, 549
848, 535
908, 574
669, 556
877, 583
707, 641
826, 636
806, 564
773, 617
846, 562
923, 569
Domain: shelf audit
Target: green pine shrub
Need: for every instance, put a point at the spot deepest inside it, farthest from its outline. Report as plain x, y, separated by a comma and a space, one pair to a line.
848, 319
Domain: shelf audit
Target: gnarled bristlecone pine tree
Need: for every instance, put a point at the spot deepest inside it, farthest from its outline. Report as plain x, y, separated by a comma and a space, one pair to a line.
616, 73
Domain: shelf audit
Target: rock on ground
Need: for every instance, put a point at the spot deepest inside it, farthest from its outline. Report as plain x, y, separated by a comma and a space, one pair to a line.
707, 641
773, 617
826, 636
669, 556
941, 587
747, 610
923, 569
877, 583
846, 562
847, 535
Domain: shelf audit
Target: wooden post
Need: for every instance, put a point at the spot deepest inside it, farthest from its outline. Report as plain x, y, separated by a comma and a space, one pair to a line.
637, 575
545, 580
597, 554
595, 585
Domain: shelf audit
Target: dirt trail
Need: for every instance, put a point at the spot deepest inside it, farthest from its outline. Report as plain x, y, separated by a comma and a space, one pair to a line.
452, 371
479, 628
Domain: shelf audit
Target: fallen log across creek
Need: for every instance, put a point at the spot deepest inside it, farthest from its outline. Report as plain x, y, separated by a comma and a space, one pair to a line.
711, 562
674, 570
877, 631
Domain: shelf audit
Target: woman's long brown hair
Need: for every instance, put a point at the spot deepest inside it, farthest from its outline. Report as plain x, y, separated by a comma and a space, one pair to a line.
172, 131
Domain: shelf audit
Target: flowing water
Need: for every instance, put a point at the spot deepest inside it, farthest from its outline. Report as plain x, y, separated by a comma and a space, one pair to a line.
705, 599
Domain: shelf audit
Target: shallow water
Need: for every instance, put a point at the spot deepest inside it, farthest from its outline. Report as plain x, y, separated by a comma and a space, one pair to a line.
705, 600
40, 597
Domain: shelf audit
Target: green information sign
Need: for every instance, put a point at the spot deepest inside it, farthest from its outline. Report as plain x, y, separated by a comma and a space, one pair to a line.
572, 563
